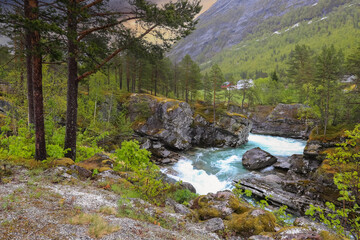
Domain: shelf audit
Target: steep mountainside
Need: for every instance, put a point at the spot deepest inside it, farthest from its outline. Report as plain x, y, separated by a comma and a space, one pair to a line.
227, 22
257, 36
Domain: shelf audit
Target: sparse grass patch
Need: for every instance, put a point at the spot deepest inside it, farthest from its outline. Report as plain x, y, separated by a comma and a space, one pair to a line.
125, 209
98, 226
107, 210
125, 192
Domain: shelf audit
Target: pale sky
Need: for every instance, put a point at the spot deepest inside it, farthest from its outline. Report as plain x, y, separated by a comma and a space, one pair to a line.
205, 3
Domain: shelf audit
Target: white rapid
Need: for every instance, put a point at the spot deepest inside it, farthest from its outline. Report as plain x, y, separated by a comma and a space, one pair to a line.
212, 170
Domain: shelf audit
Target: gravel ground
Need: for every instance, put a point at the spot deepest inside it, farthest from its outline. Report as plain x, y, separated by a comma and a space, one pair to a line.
32, 207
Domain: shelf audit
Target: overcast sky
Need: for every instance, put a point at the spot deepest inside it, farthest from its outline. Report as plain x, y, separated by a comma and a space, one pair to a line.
206, 4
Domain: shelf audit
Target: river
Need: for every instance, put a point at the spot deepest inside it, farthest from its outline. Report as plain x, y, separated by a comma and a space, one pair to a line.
214, 169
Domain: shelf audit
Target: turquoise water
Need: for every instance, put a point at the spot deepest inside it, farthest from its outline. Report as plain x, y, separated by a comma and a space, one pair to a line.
213, 169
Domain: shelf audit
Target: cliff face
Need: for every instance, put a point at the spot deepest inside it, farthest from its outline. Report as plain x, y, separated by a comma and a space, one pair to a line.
228, 22
177, 126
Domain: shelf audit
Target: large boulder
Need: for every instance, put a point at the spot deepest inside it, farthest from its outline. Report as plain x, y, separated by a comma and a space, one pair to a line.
282, 121
174, 124
257, 158
230, 130
162, 119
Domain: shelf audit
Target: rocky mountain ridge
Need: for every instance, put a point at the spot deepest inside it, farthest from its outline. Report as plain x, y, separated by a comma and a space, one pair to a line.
228, 22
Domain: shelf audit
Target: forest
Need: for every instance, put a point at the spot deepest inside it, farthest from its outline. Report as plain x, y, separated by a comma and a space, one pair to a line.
71, 66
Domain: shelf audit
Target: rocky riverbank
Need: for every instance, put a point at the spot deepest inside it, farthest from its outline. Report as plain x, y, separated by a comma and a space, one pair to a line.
167, 125
296, 181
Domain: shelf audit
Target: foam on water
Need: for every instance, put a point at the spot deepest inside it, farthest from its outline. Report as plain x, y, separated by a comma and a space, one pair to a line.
213, 169
278, 145
203, 182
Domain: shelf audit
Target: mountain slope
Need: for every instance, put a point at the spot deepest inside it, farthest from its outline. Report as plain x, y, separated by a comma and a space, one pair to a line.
227, 22
263, 44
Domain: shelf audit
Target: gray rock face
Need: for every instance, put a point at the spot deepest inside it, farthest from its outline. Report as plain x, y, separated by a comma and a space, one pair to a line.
231, 130
227, 22
257, 158
168, 121
213, 224
171, 123
282, 121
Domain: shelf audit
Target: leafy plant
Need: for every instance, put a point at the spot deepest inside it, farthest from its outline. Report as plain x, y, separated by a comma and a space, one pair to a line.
184, 196
131, 157
345, 220
282, 217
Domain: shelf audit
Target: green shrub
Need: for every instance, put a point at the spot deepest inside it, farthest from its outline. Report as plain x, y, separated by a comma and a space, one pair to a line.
184, 196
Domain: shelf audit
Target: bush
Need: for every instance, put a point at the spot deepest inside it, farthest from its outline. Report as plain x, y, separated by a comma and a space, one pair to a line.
184, 196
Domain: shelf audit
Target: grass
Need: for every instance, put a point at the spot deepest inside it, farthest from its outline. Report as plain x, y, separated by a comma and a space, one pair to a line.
98, 226
333, 133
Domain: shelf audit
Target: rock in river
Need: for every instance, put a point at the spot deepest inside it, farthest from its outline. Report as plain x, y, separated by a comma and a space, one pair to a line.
257, 158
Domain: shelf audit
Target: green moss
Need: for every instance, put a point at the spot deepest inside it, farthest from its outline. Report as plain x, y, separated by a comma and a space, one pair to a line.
246, 224
329, 236
236, 115
237, 206
208, 212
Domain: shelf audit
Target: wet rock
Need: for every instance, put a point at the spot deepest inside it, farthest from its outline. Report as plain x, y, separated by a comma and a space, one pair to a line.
282, 163
257, 158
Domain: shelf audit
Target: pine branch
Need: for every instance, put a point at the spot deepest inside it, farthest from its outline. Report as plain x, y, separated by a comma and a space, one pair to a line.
106, 60
91, 30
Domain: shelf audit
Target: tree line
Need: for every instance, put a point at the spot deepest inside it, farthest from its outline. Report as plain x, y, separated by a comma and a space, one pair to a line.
85, 35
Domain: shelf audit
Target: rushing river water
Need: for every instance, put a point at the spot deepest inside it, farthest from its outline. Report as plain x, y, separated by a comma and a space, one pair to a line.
213, 169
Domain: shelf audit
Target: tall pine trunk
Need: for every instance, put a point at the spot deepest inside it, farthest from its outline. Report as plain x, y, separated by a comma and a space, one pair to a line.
72, 84
40, 147
29, 50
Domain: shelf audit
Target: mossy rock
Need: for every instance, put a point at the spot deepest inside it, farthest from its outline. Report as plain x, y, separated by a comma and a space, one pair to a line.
253, 222
62, 162
103, 169
325, 235
206, 213
237, 206
97, 161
